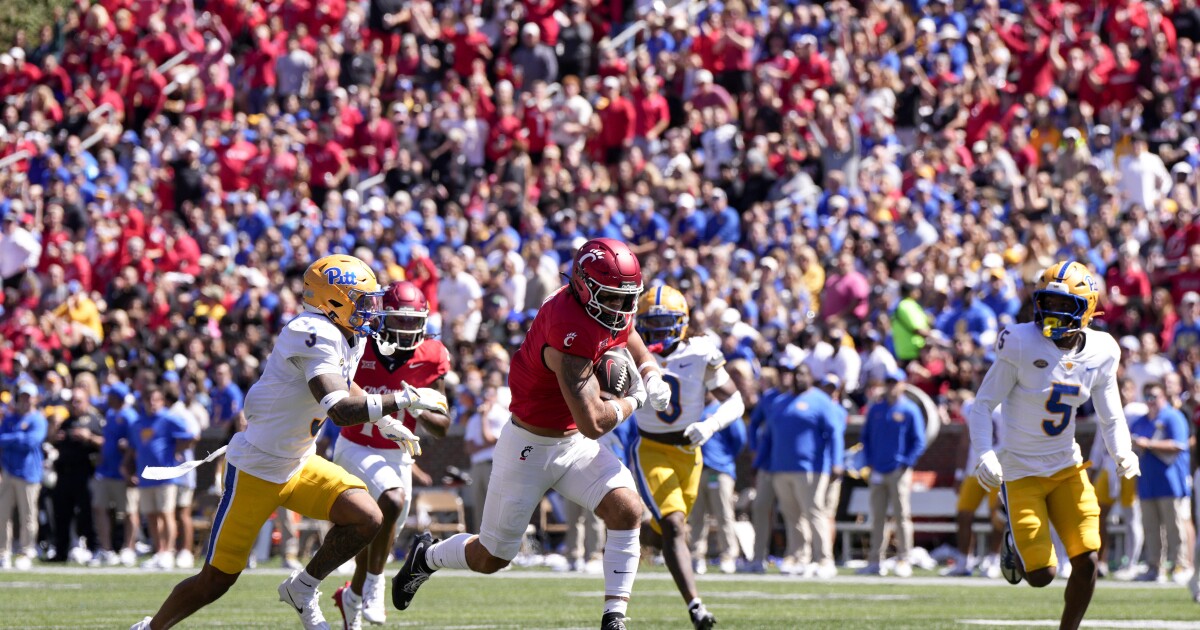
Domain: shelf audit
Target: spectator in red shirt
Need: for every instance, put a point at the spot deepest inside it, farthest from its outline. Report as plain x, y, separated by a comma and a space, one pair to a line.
159, 43
734, 46
374, 140
709, 95
146, 88
537, 121
1122, 86
328, 166
618, 123
23, 76
1128, 283
469, 45
653, 114
234, 161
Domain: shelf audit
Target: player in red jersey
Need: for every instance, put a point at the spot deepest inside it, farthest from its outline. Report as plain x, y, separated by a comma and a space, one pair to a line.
399, 355
558, 414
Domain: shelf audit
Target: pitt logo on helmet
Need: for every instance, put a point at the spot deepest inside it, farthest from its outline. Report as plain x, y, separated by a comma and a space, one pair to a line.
1066, 299
334, 275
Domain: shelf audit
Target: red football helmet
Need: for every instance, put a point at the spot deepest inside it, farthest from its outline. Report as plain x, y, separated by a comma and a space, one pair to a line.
607, 280
405, 312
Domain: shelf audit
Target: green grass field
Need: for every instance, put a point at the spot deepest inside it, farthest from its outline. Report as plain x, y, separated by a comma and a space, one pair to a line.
527, 599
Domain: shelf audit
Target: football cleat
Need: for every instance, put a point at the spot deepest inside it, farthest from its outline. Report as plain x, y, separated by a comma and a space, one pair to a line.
413, 574
350, 606
701, 618
1010, 564
612, 621
307, 603
144, 624
373, 609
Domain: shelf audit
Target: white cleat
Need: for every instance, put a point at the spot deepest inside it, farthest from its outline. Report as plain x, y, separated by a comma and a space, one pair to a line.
351, 607
306, 601
185, 560
826, 571
903, 569
728, 566
162, 561
373, 609
144, 624
699, 566
22, 562
128, 557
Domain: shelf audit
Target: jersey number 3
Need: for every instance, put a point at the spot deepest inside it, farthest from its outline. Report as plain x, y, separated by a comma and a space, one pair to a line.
1055, 405
674, 410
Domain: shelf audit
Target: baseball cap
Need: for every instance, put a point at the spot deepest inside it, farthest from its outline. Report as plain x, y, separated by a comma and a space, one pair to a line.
612, 83
1101, 130
898, 375
531, 29
831, 379
27, 389
120, 390
1129, 342
1191, 297
704, 76
685, 200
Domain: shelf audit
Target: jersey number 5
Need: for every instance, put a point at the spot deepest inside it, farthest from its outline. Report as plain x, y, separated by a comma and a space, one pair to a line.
1056, 406
673, 411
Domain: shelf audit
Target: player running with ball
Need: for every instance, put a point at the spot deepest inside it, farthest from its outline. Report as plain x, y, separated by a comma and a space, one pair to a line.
558, 414
1044, 371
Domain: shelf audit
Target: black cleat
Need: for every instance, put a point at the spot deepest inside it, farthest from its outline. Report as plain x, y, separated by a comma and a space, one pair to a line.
701, 618
613, 621
1010, 564
413, 574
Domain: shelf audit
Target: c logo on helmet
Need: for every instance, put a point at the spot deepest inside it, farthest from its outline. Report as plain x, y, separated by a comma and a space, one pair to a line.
594, 254
569, 339
336, 276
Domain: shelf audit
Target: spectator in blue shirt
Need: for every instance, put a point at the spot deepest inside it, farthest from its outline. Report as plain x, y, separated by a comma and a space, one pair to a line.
804, 432
969, 316
1160, 438
762, 513
723, 224
226, 398
157, 439
716, 494
22, 432
112, 491
893, 438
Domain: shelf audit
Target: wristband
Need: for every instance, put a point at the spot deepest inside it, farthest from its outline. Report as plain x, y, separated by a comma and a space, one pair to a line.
620, 412
333, 398
374, 407
651, 365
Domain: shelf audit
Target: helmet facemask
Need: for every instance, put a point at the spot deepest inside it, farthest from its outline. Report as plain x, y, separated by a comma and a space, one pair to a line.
1058, 311
662, 327
402, 329
611, 306
367, 318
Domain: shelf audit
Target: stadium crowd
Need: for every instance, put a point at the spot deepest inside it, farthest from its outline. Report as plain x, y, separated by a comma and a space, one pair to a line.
858, 186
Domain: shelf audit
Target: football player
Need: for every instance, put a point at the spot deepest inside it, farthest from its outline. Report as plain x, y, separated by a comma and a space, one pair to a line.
1044, 371
665, 455
398, 356
558, 415
306, 378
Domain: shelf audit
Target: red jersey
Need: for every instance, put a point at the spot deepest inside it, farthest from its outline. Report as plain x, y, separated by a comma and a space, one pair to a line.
562, 324
429, 362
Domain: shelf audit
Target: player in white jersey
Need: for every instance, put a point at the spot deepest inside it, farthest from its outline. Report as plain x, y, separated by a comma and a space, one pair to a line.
1044, 371
665, 456
306, 378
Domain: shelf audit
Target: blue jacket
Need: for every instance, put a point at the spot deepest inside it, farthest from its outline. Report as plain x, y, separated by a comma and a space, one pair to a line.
721, 452
155, 438
116, 428
21, 440
805, 432
894, 435
759, 432
1161, 479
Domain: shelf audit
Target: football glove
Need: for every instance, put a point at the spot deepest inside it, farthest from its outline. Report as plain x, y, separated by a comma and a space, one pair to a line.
394, 430
422, 398
700, 432
637, 390
988, 471
1128, 465
658, 391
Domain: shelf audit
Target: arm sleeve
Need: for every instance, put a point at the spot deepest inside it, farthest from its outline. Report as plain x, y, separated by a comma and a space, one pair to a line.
836, 444
1177, 430
997, 383
1109, 412
916, 446
737, 437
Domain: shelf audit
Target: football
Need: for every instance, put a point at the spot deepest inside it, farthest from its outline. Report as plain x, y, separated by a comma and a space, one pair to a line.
615, 371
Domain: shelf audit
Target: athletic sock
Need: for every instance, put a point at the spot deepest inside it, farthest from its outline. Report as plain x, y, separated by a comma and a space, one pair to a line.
448, 554
621, 557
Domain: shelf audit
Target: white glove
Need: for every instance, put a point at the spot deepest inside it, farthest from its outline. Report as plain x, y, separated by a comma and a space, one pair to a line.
1128, 465
988, 471
637, 394
422, 398
699, 432
658, 391
394, 430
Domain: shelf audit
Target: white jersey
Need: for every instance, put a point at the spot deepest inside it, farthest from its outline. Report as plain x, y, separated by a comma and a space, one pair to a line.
695, 367
1041, 388
282, 417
